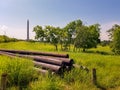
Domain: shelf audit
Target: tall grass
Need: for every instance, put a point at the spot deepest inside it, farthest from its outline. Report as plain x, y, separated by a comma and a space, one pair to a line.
73, 80
101, 58
20, 71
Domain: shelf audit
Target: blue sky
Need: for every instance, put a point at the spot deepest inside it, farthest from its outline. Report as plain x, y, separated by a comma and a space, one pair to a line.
14, 14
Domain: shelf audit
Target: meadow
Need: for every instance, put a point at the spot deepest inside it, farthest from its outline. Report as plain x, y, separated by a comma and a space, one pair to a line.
20, 70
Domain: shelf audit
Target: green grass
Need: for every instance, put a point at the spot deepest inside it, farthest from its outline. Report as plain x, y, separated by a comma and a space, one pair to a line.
19, 71
101, 58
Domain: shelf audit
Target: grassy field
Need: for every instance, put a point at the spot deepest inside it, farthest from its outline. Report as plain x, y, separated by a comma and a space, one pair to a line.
101, 58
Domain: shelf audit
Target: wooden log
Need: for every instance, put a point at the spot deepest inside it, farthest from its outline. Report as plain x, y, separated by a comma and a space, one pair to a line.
36, 58
36, 53
49, 60
67, 61
41, 71
7, 54
52, 60
54, 68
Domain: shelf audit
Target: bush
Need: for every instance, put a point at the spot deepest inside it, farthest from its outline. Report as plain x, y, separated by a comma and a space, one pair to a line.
20, 71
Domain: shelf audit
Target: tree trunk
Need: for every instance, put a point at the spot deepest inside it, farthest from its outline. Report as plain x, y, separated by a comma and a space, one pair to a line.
83, 49
74, 49
69, 47
56, 48
61, 47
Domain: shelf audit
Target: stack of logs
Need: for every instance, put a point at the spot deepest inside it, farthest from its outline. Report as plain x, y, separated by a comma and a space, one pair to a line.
43, 61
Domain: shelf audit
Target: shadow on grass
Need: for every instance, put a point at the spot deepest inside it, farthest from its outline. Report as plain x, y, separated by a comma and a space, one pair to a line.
98, 52
100, 87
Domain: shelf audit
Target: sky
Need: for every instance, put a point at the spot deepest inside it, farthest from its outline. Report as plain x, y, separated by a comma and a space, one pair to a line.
14, 14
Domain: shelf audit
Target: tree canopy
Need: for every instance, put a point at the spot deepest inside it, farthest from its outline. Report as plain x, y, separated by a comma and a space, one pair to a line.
74, 33
87, 36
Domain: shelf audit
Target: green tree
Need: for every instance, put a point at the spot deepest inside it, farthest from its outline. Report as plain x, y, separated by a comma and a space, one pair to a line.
52, 35
87, 37
62, 34
39, 33
114, 34
70, 30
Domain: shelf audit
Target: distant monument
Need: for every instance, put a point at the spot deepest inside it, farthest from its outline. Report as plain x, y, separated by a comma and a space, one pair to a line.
27, 30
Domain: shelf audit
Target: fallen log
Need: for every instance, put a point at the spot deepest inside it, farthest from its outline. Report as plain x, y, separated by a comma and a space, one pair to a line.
67, 61
40, 71
7, 54
49, 60
36, 53
54, 68
36, 58
54, 60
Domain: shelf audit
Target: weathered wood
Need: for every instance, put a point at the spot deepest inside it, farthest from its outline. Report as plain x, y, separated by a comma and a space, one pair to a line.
36, 58
49, 60
3, 81
54, 68
36, 53
67, 61
41, 71
94, 77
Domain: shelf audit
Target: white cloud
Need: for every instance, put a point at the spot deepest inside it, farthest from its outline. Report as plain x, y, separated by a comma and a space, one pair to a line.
3, 27
105, 27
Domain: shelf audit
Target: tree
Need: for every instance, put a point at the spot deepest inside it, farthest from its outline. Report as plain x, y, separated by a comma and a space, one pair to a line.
40, 33
70, 30
62, 34
52, 35
95, 34
81, 39
114, 34
87, 37
111, 31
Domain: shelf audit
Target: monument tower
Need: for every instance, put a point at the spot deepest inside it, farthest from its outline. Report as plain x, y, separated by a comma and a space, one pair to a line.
27, 30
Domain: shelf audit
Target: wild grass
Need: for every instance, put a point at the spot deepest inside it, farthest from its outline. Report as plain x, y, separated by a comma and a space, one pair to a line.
101, 58
20, 71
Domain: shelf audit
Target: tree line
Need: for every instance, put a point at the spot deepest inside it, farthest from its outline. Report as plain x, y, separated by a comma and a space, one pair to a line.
4, 39
74, 33
77, 34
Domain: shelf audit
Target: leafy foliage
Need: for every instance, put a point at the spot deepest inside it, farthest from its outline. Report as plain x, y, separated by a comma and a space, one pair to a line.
87, 37
114, 34
74, 33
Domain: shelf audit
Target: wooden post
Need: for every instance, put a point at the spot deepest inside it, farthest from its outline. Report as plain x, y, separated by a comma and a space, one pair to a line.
94, 77
3, 81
